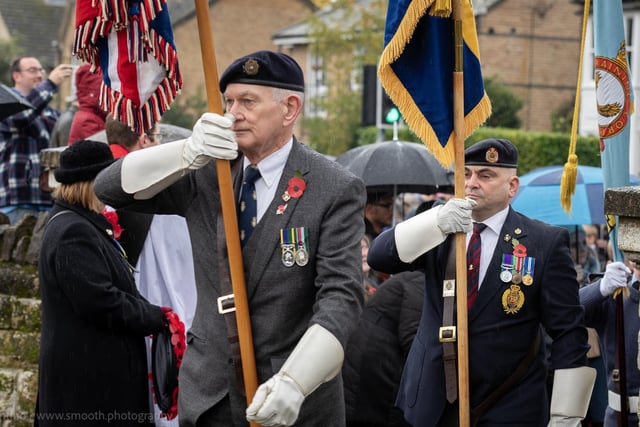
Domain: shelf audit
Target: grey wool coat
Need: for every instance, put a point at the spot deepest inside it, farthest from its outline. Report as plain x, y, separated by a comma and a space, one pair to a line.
283, 301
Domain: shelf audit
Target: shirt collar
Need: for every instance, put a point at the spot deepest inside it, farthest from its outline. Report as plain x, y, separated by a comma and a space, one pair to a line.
271, 167
496, 221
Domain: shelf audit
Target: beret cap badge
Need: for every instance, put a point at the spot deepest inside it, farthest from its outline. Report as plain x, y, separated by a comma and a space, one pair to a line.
251, 67
492, 152
492, 155
264, 68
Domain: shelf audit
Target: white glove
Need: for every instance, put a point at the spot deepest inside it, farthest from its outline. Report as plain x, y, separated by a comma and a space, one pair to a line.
212, 138
276, 402
316, 359
570, 397
455, 216
615, 276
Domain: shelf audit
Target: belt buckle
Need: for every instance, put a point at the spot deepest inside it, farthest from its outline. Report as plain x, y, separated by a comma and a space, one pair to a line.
447, 334
225, 300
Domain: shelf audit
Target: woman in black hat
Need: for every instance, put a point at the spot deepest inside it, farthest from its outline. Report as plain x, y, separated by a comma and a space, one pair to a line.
93, 368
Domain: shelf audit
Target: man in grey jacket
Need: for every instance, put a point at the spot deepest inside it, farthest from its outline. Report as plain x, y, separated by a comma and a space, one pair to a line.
302, 260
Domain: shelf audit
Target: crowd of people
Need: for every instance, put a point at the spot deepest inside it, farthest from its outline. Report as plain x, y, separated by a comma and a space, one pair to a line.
351, 310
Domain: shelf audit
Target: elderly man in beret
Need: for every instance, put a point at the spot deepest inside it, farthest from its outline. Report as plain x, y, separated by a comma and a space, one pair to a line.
300, 220
520, 279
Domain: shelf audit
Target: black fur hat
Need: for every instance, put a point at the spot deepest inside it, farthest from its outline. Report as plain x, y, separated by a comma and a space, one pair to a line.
82, 161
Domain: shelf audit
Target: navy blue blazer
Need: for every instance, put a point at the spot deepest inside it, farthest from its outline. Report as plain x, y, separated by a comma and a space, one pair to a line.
499, 335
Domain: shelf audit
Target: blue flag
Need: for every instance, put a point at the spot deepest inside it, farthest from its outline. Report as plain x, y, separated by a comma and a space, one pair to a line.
416, 70
614, 100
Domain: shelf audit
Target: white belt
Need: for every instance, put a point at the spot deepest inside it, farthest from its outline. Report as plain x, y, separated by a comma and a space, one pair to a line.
614, 402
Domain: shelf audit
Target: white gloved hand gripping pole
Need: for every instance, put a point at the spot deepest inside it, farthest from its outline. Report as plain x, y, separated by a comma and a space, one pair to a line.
146, 172
428, 229
316, 359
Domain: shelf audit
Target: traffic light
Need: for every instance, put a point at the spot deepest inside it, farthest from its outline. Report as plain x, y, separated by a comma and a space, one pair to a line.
389, 113
377, 108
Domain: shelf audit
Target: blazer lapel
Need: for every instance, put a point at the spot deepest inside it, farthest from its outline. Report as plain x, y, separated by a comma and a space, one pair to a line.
491, 285
266, 236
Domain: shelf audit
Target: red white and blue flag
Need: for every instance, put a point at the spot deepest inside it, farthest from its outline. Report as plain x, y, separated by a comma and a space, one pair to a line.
131, 41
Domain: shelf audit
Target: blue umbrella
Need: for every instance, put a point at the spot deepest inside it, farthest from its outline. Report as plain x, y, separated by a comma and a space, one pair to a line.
539, 196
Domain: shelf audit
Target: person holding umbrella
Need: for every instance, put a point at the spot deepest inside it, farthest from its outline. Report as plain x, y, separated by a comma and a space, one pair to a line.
521, 279
301, 222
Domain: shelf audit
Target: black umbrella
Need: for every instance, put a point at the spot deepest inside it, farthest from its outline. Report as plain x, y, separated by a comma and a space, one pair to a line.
11, 103
398, 167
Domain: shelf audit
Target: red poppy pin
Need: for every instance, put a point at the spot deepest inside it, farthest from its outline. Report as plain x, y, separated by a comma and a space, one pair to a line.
295, 190
296, 187
519, 249
112, 217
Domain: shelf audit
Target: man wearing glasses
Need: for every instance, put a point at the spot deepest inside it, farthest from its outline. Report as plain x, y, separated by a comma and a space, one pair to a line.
378, 213
24, 134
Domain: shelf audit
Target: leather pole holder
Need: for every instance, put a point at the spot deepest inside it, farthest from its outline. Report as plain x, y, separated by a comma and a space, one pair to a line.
447, 334
227, 307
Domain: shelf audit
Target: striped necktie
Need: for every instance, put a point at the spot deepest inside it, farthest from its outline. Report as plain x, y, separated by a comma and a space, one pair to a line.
473, 262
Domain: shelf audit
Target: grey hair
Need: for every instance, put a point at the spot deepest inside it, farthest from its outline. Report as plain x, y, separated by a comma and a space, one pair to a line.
280, 94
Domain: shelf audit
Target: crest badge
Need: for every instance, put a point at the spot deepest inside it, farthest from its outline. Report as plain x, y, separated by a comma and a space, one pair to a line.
512, 299
251, 67
612, 94
492, 155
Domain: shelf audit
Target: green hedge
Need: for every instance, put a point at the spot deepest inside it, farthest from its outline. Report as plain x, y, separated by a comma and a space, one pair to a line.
536, 148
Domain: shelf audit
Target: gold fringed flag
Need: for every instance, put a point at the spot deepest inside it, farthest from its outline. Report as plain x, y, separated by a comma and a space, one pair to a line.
416, 70
131, 41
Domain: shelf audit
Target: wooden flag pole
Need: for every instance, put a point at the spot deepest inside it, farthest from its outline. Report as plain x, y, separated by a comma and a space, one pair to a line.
460, 238
621, 361
227, 202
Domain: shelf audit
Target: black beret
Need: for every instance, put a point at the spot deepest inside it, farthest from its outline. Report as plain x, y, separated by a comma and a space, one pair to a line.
492, 152
82, 161
264, 68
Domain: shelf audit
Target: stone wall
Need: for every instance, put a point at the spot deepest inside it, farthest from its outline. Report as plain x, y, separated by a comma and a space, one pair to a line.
19, 319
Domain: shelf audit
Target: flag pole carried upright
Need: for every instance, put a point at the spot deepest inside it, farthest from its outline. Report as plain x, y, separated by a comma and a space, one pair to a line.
421, 68
227, 202
460, 238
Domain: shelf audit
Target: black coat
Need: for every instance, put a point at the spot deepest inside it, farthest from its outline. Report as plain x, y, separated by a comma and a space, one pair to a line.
93, 367
377, 350
501, 326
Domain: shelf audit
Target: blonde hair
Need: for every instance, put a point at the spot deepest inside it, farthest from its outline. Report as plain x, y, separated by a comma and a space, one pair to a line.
78, 193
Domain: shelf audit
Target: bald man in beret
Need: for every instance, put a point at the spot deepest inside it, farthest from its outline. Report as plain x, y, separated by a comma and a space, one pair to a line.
525, 282
301, 250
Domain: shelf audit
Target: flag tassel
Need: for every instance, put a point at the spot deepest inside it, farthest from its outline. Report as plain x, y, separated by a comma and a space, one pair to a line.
568, 182
441, 8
